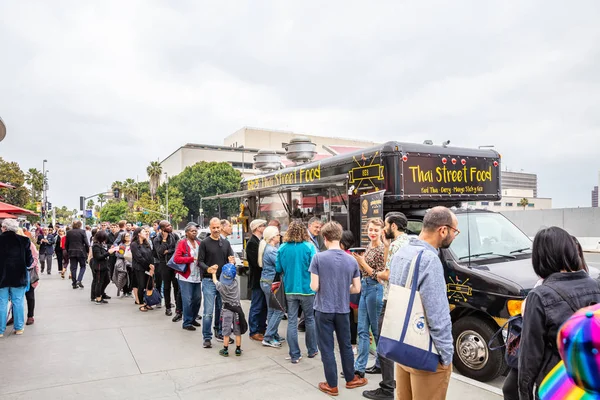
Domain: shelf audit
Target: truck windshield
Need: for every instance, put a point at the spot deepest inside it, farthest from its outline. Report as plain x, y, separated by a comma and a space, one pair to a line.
491, 235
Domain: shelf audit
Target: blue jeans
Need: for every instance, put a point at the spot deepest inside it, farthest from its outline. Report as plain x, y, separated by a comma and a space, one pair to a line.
212, 304
17, 296
273, 316
191, 297
306, 303
257, 317
369, 310
340, 324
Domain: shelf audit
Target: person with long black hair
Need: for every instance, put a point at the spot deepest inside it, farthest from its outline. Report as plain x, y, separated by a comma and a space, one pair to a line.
142, 261
566, 288
100, 266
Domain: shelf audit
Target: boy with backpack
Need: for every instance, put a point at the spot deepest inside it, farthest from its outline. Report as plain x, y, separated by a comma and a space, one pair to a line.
232, 316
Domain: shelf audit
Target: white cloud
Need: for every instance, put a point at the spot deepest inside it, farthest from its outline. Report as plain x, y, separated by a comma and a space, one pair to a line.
100, 89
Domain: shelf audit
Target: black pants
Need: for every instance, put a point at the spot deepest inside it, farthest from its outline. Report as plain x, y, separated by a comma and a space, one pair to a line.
100, 282
353, 328
131, 281
158, 278
142, 283
388, 383
30, 296
77, 261
169, 279
510, 389
112, 260
59, 259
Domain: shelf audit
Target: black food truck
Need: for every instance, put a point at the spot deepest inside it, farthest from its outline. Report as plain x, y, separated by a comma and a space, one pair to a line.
488, 268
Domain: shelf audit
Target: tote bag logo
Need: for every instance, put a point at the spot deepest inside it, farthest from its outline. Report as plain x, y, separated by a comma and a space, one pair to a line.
419, 323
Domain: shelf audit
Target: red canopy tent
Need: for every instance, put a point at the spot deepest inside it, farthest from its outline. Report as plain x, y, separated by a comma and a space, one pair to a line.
4, 215
10, 209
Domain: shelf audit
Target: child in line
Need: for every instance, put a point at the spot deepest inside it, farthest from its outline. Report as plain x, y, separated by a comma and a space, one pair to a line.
232, 315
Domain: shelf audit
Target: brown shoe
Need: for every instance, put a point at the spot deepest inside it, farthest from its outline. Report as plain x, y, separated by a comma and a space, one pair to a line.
30, 321
324, 387
356, 382
258, 337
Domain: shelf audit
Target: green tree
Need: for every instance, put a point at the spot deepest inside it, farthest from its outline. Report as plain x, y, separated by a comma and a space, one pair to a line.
154, 171
101, 199
148, 210
114, 211
177, 209
11, 173
524, 203
35, 180
90, 205
64, 215
208, 179
130, 190
117, 185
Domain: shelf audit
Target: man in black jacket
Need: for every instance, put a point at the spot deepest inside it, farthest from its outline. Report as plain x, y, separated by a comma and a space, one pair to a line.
257, 317
78, 248
165, 244
46, 242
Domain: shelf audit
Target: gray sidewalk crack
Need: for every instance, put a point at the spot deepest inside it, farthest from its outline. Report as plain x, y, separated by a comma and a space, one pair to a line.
131, 351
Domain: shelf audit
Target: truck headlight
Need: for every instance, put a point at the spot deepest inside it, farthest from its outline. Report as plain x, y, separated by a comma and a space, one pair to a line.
514, 307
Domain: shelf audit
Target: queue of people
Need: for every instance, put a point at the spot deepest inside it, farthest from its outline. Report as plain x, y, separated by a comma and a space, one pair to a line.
318, 269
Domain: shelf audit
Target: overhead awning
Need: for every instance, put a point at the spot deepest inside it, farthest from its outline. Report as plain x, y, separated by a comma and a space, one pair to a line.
6, 185
4, 215
10, 209
331, 181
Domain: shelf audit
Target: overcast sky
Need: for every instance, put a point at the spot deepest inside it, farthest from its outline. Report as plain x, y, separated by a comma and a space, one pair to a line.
100, 89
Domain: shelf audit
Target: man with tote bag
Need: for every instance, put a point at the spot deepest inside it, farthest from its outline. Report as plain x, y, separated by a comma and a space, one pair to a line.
428, 317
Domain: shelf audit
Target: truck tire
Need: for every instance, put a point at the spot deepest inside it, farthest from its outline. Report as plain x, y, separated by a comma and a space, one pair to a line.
472, 357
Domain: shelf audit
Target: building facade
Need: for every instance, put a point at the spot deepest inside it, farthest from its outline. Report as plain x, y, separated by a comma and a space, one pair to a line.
520, 180
512, 200
241, 146
595, 197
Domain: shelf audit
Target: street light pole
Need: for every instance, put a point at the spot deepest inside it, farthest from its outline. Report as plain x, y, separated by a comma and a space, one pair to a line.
167, 181
44, 210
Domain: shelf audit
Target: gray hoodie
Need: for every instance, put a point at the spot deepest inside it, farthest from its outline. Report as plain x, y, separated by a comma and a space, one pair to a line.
432, 287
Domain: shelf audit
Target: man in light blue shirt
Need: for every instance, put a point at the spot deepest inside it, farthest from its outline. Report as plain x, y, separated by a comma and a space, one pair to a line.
440, 227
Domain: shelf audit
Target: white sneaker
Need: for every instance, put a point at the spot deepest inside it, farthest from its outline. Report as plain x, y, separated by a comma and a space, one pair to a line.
271, 343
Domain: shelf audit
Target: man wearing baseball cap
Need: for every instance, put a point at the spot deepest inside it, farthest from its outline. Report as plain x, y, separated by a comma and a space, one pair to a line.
257, 317
577, 376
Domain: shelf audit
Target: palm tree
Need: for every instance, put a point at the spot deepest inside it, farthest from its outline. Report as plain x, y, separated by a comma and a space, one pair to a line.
101, 199
129, 189
154, 170
89, 205
117, 185
35, 179
524, 203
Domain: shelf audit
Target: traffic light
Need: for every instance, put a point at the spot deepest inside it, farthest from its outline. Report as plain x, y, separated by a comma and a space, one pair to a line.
116, 193
81, 203
49, 206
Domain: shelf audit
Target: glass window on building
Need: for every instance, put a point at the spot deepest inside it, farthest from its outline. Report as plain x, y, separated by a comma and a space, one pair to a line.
472, 203
485, 203
498, 204
531, 205
508, 204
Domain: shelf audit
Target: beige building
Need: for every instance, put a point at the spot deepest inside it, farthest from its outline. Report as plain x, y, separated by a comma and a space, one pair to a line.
241, 146
276, 140
511, 199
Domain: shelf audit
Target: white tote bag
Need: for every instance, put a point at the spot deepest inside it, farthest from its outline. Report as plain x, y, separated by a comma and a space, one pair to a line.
404, 336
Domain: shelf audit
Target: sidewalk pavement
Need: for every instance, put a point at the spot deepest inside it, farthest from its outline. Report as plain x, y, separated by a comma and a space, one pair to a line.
79, 350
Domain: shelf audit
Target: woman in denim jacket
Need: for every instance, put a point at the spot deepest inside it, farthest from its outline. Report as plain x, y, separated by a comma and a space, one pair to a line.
267, 256
566, 288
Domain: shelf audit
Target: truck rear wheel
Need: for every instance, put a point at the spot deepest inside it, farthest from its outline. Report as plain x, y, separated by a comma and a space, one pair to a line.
472, 357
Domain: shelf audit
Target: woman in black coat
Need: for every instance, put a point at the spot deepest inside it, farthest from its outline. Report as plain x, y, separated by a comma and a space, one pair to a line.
15, 259
566, 288
142, 262
99, 264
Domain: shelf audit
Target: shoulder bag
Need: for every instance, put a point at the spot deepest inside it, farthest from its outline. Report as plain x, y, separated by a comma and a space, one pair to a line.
405, 336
